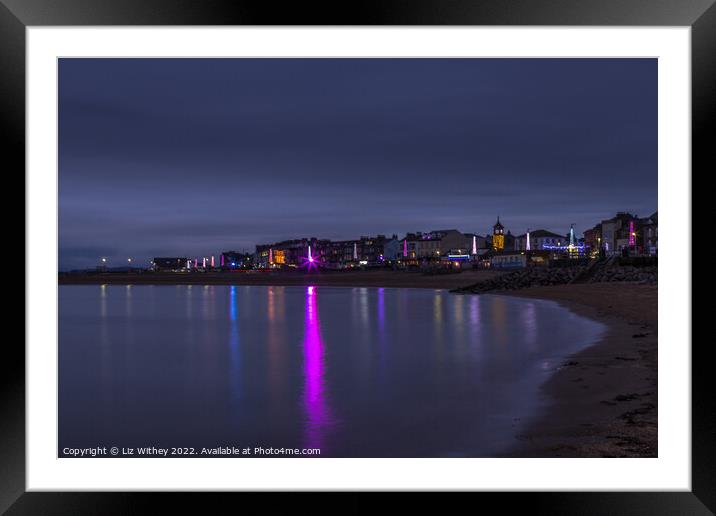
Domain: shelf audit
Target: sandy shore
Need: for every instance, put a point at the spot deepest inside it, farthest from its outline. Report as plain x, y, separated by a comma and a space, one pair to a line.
604, 399
367, 278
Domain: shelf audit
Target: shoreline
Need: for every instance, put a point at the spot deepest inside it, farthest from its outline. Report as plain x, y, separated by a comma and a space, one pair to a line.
603, 400
368, 278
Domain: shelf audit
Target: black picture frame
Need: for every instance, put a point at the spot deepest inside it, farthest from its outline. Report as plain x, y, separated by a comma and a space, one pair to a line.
16, 15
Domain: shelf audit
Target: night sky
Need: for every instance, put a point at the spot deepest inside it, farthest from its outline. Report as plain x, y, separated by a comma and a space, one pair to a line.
189, 157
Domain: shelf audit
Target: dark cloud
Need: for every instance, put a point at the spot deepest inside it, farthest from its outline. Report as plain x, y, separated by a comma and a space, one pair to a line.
194, 156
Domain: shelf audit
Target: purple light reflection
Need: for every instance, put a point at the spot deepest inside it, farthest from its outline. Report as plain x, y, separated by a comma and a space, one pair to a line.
234, 352
381, 311
318, 417
529, 321
475, 326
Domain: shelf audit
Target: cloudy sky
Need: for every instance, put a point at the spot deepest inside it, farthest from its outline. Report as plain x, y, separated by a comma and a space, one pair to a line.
189, 157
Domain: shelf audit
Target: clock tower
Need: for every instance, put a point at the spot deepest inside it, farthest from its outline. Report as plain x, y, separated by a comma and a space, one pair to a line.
498, 236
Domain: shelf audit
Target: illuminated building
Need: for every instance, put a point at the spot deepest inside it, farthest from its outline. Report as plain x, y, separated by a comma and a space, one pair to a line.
332, 254
378, 249
366, 250
233, 260
593, 239
498, 236
513, 260
339, 254
288, 253
616, 233
279, 257
431, 246
538, 239
170, 264
650, 234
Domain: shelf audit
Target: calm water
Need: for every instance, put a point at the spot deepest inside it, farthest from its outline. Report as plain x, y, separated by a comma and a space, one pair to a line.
357, 372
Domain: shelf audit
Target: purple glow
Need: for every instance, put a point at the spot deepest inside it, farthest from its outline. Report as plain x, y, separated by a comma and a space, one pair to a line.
196, 263
474, 244
212, 262
632, 234
222, 260
234, 355
314, 401
405, 247
309, 261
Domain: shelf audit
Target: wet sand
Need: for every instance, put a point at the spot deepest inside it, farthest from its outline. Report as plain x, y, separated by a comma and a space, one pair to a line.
604, 399
367, 278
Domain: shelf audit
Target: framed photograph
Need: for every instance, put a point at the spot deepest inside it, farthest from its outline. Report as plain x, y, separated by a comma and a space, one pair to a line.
413, 248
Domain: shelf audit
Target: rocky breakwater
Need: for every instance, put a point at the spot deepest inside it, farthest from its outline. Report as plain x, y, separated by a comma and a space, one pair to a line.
533, 277
643, 275
523, 279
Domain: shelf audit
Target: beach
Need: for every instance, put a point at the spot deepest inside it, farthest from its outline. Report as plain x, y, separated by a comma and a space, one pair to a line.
604, 400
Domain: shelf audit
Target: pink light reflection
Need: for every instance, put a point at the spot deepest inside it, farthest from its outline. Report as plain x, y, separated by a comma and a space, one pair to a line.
318, 417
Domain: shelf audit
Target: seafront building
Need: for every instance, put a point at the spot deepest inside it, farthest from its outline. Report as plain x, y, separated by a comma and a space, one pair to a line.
232, 260
650, 234
432, 245
365, 250
539, 239
623, 234
498, 236
175, 264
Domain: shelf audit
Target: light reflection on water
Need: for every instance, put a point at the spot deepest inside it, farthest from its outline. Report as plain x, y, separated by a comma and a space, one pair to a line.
318, 418
354, 371
234, 351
